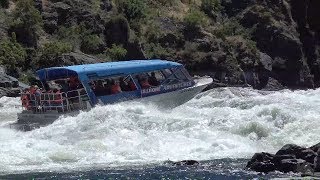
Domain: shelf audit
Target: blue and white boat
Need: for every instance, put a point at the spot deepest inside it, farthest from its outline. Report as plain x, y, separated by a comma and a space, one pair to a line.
68, 90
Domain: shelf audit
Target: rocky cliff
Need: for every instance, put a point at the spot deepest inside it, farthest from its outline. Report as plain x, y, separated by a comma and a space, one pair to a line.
237, 41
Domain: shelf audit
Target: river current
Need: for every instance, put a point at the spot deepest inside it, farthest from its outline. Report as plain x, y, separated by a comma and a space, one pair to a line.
223, 123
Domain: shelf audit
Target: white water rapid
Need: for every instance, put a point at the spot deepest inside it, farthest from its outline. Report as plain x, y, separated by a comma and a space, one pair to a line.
220, 123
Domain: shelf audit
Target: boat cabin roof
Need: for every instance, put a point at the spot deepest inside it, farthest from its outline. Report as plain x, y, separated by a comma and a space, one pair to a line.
105, 69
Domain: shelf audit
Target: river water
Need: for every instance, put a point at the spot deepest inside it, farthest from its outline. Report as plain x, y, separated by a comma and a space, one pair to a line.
221, 128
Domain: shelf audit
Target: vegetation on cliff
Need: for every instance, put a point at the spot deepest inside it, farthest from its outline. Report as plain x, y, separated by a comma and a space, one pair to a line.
261, 39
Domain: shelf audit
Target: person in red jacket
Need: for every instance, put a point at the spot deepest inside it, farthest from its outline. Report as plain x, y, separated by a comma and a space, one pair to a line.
145, 83
115, 87
131, 85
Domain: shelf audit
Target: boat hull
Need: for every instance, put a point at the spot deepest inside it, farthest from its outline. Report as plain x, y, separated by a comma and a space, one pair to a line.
176, 98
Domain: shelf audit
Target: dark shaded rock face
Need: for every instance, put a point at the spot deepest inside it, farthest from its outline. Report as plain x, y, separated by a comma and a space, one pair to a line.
288, 32
68, 13
117, 31
290, 158
306, 14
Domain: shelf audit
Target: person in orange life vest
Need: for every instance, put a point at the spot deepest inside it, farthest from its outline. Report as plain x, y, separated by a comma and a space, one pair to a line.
25, 99
32, 89
115, 87
145, 83
57, 96
131, 85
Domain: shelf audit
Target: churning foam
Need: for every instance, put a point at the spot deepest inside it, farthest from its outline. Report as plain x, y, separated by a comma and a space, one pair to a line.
221, 123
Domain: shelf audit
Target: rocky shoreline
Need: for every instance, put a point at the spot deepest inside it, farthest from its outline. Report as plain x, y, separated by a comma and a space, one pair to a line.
290, 158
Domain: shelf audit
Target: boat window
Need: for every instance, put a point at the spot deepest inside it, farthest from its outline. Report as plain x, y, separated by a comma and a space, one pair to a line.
143, 80
112, 85
180, 75
155, 78
169, 77
167, 72
186, 73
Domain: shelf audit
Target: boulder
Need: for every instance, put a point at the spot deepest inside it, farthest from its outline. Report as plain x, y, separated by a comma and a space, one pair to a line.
182, 163
278, 158
290, 165
317, 162
186, 163
264, 167
290, 149
260, 157
315, 148
307, 155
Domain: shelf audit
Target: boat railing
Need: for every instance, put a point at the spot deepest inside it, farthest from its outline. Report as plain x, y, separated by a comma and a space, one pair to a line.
61, 102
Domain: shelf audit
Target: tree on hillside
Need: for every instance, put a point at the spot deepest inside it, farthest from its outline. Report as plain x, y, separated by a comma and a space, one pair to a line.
11, 54
210, 7
117, 52
133, 9
27, 22
50, 52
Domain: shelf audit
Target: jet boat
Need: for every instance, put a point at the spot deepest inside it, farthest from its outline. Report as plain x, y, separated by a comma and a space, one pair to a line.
68, 90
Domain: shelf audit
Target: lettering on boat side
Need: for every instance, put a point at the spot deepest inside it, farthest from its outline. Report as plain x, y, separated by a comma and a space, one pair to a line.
176, 86
166, 88
151, 90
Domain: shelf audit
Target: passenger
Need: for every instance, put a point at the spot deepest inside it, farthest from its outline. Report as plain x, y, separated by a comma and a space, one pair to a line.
124, 86
131, 85
32, 89
25, 99
145, 83
153, 80
57, 96
115, 87
99, 89
107, 87
74, 83
35, 94
38, 91
64, 86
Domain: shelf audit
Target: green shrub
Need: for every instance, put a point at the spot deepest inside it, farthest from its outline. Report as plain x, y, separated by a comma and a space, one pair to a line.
133, 9
117, 52
12, 54
211, 6
92, 44
154, 51
231, 28
195, 19
72, 35
26, 15
26, 22
50, 52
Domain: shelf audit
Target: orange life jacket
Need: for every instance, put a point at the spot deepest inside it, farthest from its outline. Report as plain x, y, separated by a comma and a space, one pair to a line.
145, 84
58, 97
115, 89
25, 101
132, 86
